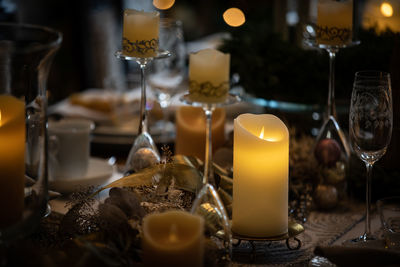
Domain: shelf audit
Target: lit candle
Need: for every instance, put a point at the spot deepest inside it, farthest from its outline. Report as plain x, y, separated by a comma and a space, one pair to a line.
140, 33
334, 21
209, 75
173, 238
12, 161
260, 171
191, 131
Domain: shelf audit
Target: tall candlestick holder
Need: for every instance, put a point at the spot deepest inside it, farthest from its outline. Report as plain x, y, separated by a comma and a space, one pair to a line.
144, 148
331, 149
330, 128
208, 203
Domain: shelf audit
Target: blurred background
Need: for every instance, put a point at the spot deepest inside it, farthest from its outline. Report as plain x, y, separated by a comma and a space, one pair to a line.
269, 59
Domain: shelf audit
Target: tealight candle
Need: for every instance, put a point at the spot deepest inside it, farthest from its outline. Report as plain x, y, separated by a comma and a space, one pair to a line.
191, 131
140, 33
209, 75
260, 171
334, 21
12, 160
173, 238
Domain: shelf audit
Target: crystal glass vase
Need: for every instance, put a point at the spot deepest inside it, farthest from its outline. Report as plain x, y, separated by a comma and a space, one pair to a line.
26, 54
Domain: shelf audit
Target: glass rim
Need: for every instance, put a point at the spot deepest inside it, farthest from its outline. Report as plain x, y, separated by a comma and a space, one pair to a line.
369, 74
55, 42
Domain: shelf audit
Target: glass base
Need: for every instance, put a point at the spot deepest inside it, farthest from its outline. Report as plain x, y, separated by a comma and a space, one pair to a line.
217, 225
143, 154
331, 130
363, 241
230, 99
315, 44
159, 55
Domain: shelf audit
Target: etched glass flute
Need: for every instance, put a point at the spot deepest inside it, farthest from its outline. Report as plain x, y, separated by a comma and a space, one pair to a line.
370, 126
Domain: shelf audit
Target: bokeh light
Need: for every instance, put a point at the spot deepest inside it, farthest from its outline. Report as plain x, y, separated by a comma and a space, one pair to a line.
386, 9
234, 17
163, 4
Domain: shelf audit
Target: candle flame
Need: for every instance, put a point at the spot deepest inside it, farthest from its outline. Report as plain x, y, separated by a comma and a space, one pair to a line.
172, 237
262, 133
271, 139
386, 9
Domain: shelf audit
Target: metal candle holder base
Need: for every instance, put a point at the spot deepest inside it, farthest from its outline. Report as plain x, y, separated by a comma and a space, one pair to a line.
294, 229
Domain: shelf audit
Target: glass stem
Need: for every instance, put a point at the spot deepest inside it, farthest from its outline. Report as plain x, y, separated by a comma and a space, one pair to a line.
368, 201
208, 175
331, 95
143, 112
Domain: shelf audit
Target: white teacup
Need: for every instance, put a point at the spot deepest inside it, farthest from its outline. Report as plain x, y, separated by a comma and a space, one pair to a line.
69, 148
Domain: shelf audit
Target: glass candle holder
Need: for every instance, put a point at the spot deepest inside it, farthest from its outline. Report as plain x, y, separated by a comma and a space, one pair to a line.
26, 54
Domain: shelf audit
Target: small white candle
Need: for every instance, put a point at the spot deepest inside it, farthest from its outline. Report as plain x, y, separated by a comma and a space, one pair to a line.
335, 21
209, 75
12, 160
173, 238
260, 171
140, 33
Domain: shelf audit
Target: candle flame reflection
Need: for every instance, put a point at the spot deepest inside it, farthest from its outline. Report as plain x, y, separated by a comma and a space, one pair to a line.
173, 238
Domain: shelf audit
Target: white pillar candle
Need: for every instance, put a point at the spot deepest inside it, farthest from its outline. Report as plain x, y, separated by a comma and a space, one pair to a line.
335, 22
140, 33
209, 75
12, 160
173, 238
260, 171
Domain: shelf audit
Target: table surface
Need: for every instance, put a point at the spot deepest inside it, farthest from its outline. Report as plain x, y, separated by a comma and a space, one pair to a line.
329, 228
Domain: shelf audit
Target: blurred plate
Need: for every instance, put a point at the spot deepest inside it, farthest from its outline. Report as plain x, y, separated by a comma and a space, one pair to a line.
99, 171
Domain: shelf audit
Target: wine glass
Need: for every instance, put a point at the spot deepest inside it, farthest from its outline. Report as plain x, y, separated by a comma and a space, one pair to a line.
370, 126
166, 76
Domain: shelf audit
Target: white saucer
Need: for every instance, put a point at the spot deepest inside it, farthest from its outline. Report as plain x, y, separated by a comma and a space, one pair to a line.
99, 171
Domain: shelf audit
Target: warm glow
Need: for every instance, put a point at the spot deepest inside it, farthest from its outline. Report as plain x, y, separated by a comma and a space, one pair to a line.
163, 4
262, 133
0, 117
173, 238
271, 139
234, 17
386, 9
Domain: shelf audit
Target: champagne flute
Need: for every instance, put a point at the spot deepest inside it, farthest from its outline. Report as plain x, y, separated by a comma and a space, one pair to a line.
166, 76
370, 126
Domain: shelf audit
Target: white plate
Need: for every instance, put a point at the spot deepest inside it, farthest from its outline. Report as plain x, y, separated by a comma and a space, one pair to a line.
99, 171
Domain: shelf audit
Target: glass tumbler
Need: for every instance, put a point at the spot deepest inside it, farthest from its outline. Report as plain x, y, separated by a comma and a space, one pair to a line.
26, 53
